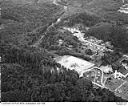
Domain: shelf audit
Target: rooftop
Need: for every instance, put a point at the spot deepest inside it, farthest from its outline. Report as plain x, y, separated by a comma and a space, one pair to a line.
123, 62
75, 63
123, 71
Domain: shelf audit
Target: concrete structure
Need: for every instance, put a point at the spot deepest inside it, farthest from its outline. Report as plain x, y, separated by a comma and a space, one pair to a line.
84, 68
74, 63
107, 69
98, 47
123, 70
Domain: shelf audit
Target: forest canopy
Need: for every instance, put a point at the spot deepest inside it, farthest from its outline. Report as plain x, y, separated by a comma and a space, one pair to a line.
30, 74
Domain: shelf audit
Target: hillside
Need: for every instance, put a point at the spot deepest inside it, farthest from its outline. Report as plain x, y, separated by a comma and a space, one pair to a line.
35, 32
20, 20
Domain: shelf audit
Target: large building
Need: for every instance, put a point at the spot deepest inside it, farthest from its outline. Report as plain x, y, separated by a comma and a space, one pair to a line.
74, 63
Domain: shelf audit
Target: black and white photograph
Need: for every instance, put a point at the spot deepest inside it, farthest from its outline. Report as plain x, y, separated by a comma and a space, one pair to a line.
64, 51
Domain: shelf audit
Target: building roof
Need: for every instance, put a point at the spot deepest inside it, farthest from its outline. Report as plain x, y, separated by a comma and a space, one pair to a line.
123, 71
75, 63
106, 69
125, 57
121, 62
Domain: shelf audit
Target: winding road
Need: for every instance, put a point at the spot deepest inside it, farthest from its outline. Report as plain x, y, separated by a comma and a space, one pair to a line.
55, 22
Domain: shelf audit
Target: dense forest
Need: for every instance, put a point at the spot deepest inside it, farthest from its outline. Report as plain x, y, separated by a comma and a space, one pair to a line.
30, 74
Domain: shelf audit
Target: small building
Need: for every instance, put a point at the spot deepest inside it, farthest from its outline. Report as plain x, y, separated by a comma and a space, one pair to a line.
107, 69
60, 42
122, 67
123, 71
118, 75
125, 64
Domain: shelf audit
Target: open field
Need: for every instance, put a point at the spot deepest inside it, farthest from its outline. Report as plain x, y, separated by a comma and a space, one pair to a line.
113, 83
123, 91
90, 75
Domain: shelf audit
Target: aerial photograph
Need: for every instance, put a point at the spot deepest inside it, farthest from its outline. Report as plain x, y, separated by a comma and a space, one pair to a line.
64, 50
